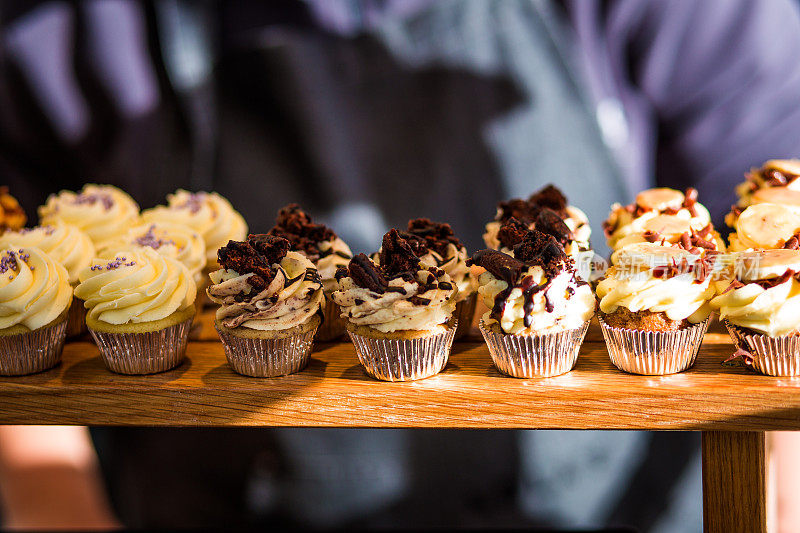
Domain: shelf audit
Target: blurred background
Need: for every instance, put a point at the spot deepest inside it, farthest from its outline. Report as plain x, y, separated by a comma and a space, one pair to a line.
368, 113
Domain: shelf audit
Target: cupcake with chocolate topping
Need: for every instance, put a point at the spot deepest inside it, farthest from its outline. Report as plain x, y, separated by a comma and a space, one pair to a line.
542, 210
632, 219
140, 309
103, 212
436, 245
270, 301
207, 213
35, 296
654, 306
399, 313
326, 250
67, 246
775, 182
12, 216
760, 305
539, 308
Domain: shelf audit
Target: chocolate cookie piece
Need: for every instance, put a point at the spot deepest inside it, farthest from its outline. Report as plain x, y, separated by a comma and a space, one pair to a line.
511, 233
502, 266
366, 274
256, 255
522, 210
397, 256
551, 223
552, 198
424, 234
304, 236
541, 249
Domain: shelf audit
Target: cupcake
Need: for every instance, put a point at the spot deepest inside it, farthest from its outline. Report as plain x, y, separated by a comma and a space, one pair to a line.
760, 306
270, 301
140, 309
35, 297
67, 246
539, 210
103, 212
775, 182
12, 216
436, 245
399, 313
209, 214
766, 226
539, 308
631, 219
654, 306
326, 250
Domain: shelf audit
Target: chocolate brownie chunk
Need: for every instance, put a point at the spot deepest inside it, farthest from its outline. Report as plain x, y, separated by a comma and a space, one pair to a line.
541, 249
502, 266
424, 234
256, 255
397, 256
304, 236
511, 233
552, 198
551, 223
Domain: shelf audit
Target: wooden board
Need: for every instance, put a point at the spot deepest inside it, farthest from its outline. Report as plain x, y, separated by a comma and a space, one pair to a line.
334, 391
734, 482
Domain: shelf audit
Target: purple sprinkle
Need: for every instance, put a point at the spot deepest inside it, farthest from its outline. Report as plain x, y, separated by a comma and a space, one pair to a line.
33, 268
150, 240
193, 203
10, 277
92, 198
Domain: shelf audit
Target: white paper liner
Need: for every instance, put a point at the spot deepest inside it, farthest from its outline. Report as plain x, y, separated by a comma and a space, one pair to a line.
773, 356
404, 359
464, 313
143, 353
31, 352
267, 358
653, 353
333, 326
534, 356
76, 318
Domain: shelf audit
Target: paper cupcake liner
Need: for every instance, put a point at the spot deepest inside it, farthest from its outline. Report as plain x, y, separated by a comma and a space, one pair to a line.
267, 358
653, 353
404, 359
773, 356
76, 318
143, 353
333, 326
31, 352
464, 313
534, 356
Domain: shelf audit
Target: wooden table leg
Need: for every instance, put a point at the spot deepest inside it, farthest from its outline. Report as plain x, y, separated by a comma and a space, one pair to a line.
734, 481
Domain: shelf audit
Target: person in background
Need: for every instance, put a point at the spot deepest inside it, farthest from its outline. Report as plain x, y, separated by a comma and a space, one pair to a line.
346, 106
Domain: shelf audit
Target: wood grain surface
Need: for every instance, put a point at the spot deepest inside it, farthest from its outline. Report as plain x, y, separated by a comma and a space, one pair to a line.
734, 482
470, 393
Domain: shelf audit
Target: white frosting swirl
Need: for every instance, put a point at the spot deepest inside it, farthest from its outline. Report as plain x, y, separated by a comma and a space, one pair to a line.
564, 304
209, 214
454, 263
66, 244
101, 211
34, 289
333, 253
170, 239
138, 286
391, 310
293, 296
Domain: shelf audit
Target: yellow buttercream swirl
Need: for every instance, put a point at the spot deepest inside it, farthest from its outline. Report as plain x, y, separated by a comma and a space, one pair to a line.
170, 239
774, 311
209, 214
138, 286
64, 243
293, 296
34, 289
101, 211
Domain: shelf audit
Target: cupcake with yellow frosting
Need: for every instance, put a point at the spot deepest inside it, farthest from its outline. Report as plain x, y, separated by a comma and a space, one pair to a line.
140, 309
270, 301
207, 213
539, 308
35, 296
66, 245
399, 312
654, 306
12, 216
103, 212
760, 305
326, 250
632, 218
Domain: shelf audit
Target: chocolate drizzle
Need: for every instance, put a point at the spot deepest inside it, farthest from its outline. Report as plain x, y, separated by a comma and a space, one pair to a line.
257, 255
294, 225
